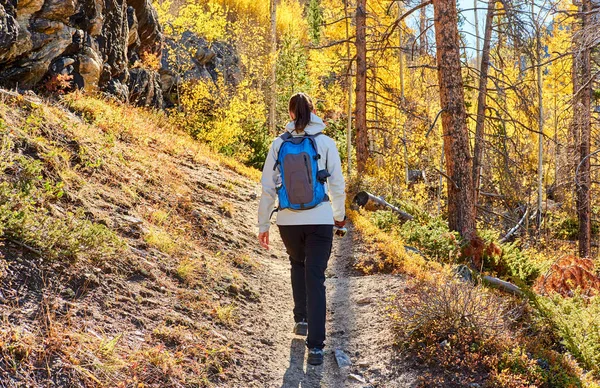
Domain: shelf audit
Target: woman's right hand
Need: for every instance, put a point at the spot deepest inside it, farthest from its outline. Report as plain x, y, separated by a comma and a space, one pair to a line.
263, 239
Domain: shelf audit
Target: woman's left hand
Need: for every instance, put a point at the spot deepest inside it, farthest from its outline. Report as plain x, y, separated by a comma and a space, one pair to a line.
263, 239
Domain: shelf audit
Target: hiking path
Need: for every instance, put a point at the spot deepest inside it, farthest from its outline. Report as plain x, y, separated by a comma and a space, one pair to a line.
356, 324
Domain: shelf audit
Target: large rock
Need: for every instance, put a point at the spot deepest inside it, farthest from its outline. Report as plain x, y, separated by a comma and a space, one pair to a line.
9, 28
149, 29
193, 58
144, 87
95, 42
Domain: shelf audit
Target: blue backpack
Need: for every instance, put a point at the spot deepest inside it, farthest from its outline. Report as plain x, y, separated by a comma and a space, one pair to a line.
302, 183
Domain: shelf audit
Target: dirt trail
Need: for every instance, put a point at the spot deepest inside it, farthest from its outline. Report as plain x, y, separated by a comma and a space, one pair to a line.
356, 324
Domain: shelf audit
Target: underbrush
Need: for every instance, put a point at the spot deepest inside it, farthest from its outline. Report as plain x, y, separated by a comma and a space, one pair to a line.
468, 334
391, 254
577, 320
149, 128
431, 236
447, 324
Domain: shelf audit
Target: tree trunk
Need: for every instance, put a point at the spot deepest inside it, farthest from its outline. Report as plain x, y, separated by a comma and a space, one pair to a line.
422, 29
481, 99
583, 127
538, 59
362, 137
477, 38
461, 207
349, 107
400, 107
273, 80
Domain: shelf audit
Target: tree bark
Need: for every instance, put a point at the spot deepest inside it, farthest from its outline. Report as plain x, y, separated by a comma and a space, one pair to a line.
362, 137
461, 207
582, 121
481, 99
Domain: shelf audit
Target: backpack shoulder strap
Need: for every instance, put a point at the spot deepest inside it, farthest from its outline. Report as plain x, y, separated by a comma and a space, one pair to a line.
314, 143
287, 136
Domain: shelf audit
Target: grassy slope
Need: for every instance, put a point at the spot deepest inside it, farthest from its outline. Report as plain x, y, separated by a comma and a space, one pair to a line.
124, 254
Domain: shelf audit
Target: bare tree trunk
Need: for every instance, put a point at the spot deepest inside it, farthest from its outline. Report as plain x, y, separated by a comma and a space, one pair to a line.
362, 137
481, 99
538, 59
461, 207
349, 81
477, 39
422, 29
401, 71
273, 81
583, 123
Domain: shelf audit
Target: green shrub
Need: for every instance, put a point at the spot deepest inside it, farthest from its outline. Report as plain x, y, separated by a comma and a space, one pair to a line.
520, 265
385, 220
433, 239
513, 261
565, 227
577, 320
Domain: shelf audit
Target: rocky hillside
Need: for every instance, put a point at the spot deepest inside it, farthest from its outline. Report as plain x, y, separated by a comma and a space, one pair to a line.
96, 43
117, 47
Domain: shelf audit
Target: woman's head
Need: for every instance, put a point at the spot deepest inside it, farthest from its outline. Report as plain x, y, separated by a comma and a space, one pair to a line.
300, 107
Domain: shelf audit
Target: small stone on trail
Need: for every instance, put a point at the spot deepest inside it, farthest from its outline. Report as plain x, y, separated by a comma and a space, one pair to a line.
218, 335
233, 289
364, 364
358, 378
267, 342
364, 301
342, 359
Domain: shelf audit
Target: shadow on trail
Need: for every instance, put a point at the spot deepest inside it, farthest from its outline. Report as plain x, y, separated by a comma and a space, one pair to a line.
295, 376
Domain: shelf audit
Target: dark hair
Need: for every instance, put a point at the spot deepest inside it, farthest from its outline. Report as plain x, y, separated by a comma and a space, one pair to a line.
301, 106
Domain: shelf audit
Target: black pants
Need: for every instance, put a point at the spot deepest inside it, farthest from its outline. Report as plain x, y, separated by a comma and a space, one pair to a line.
309, 247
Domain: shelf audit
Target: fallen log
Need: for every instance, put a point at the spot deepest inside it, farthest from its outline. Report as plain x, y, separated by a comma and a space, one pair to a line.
503, 285
470, 275
372, 203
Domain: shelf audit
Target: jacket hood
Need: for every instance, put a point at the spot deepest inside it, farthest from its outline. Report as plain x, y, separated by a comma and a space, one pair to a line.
315, 126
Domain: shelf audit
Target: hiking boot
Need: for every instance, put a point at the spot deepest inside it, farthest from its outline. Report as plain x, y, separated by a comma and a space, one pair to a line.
315, 356
301, 328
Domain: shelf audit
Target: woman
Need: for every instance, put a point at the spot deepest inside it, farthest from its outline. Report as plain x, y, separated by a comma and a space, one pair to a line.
306, 229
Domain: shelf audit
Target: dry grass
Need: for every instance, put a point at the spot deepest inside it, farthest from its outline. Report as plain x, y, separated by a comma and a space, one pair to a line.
77, 173
391, 254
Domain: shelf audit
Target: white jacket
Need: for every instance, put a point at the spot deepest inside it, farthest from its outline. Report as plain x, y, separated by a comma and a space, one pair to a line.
323, 214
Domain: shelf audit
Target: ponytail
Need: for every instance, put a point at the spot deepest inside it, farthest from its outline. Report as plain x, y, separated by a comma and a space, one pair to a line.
301, 106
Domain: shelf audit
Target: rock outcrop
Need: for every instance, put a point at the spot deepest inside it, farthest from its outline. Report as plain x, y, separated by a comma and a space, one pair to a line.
99, 44
193, 58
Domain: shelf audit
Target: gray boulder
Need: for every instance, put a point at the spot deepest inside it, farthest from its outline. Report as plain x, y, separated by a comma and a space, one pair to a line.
96, 42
